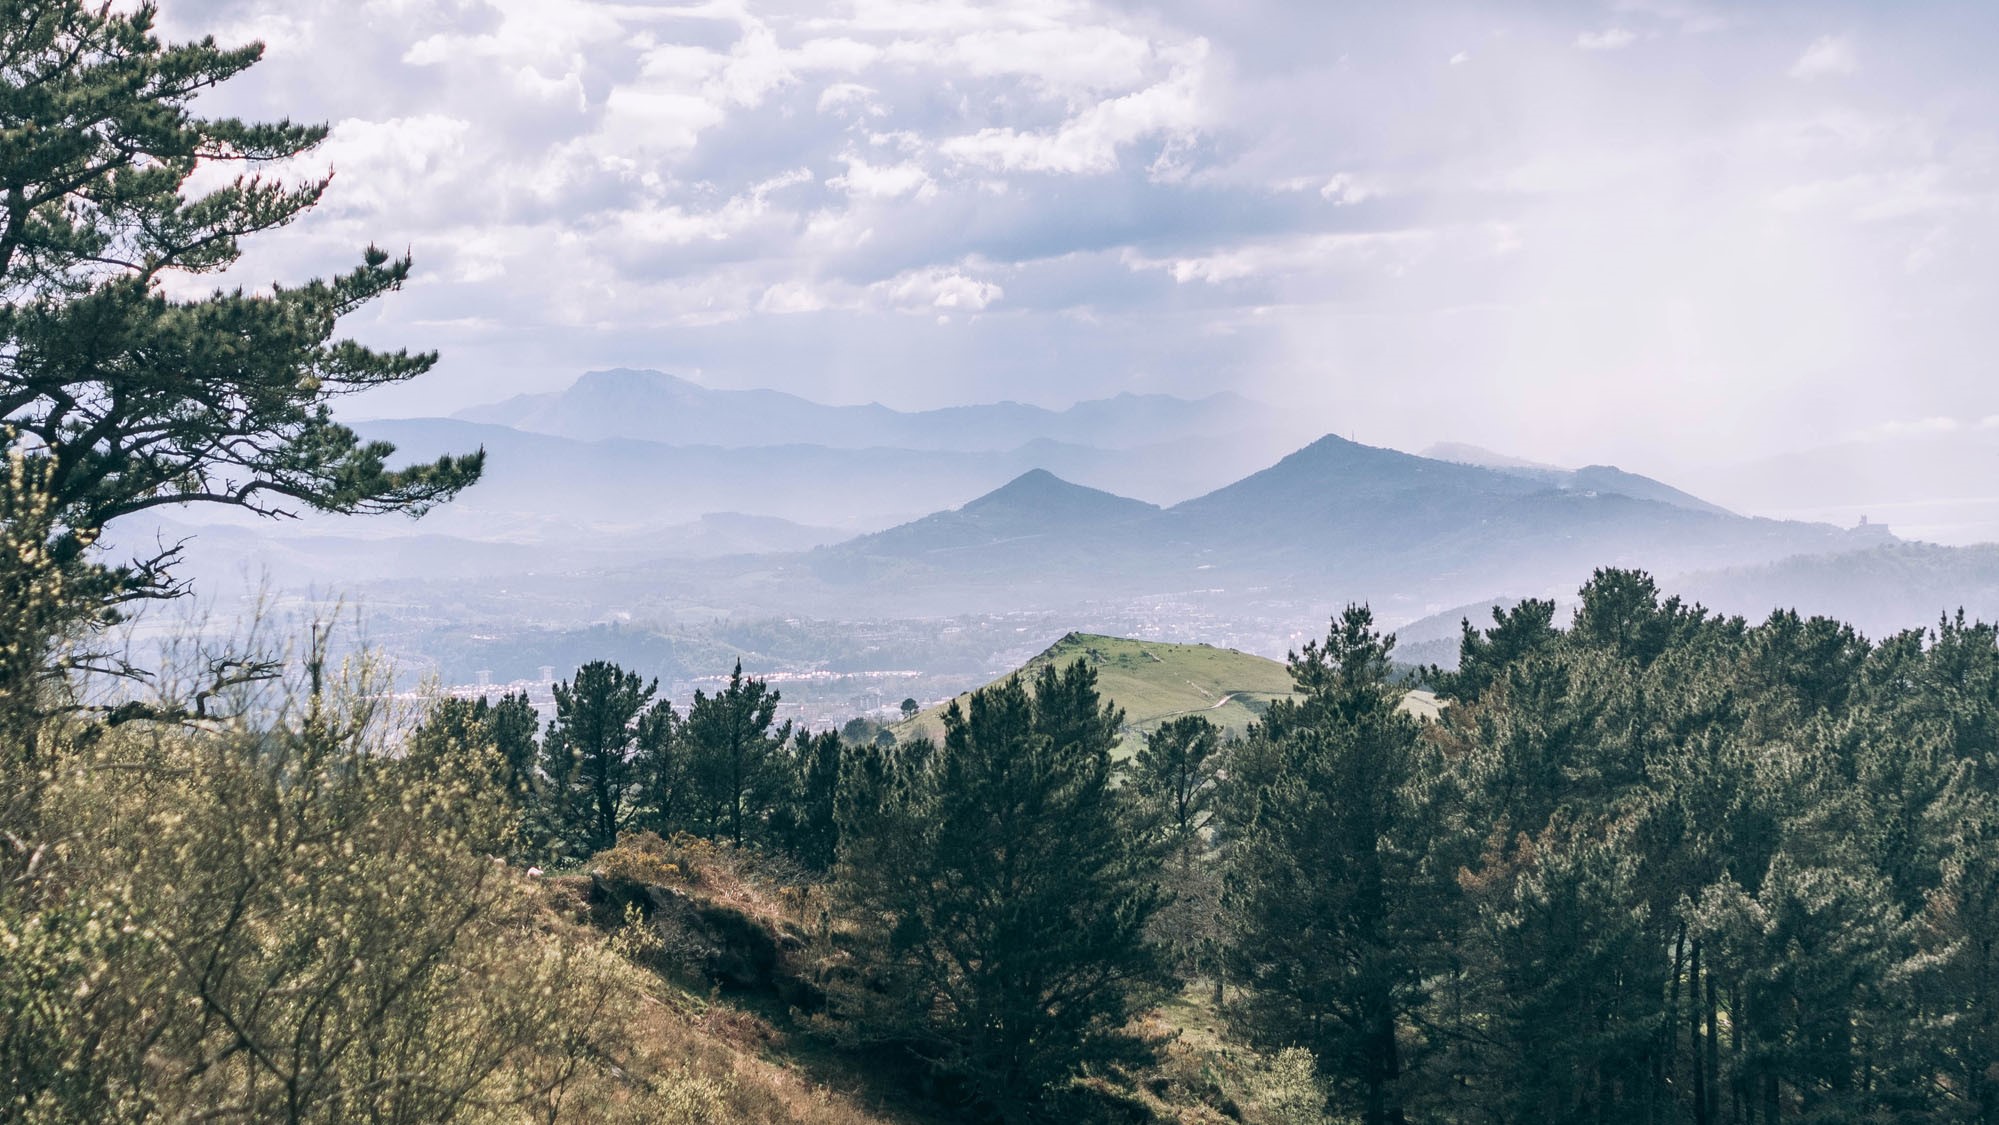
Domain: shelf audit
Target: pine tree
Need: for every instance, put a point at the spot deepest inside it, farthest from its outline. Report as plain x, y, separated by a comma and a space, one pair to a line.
1174, 778
1326, 829
812, 834
733, 746
126, 399
1011, 898
589, 756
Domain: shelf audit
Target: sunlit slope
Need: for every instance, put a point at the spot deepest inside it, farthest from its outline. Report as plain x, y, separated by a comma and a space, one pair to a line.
1155, 682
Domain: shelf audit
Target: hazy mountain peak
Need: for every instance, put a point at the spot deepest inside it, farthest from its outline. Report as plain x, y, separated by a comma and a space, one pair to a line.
1043, 492
647, 405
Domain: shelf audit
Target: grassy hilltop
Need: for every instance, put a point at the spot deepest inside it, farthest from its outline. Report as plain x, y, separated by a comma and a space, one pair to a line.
1156, 682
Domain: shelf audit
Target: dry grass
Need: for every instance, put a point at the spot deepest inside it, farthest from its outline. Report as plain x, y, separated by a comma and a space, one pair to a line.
676, 1056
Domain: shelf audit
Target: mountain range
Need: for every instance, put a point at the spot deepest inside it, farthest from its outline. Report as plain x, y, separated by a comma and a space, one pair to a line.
657, 407
1335, 519
633, 494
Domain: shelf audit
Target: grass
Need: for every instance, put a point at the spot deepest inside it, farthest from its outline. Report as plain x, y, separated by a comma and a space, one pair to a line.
1156, 682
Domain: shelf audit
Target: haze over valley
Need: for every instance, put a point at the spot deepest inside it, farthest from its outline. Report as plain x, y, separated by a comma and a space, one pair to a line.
695, 525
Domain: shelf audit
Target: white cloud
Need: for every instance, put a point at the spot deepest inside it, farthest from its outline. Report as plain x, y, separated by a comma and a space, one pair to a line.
1344, 189
1089, 141
1594, 235
1387, 252
884, 181
1609, 39
1829, 56
1461, 58
850, 97
936, 287
382, 165
791, 297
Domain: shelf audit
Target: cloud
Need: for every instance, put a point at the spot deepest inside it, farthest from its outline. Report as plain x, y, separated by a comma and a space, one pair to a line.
1345, 189
1089, 141
884, 181
1609, 39
1829, 56
936, 288
1319, 253
1098, 192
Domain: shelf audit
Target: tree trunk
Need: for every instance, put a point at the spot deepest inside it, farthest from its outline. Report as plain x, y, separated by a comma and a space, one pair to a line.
1713, 1093
1694, 1039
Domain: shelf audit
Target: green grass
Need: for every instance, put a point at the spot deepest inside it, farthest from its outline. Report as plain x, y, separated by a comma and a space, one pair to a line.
1156, 682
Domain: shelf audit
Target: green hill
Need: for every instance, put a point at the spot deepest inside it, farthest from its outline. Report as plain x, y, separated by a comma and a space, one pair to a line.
1156, 682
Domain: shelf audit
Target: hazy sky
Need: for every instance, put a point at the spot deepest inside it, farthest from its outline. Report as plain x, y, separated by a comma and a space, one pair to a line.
1643, 231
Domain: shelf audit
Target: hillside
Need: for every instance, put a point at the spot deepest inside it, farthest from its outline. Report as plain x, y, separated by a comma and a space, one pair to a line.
1154, 682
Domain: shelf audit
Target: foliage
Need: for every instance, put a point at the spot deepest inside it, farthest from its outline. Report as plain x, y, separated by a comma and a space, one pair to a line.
733, 757
271, 921
1002, 897
606, 729
122, 397
1326, 828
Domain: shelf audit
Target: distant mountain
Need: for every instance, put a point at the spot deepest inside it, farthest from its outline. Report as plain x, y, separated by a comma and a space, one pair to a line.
1590, 478
1035, 505
1333, 520
1881, 591
654, 406
534, 479
1036, 528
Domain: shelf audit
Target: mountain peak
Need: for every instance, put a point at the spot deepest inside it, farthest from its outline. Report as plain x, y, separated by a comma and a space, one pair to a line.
632, 379
1043, 492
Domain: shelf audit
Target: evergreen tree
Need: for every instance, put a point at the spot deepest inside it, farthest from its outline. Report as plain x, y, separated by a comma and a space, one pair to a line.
1173, 779
1012, 900
1516, 633
590, 753
813, 831
1326, 831
121, 397
733, 746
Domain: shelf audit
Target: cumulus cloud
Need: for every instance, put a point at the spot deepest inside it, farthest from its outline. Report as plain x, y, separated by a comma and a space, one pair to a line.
1090, 141
884, 181
1829, 56
1296, 201
948, 289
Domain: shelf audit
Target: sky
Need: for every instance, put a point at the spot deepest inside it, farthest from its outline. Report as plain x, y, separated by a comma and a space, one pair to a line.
1649, 232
